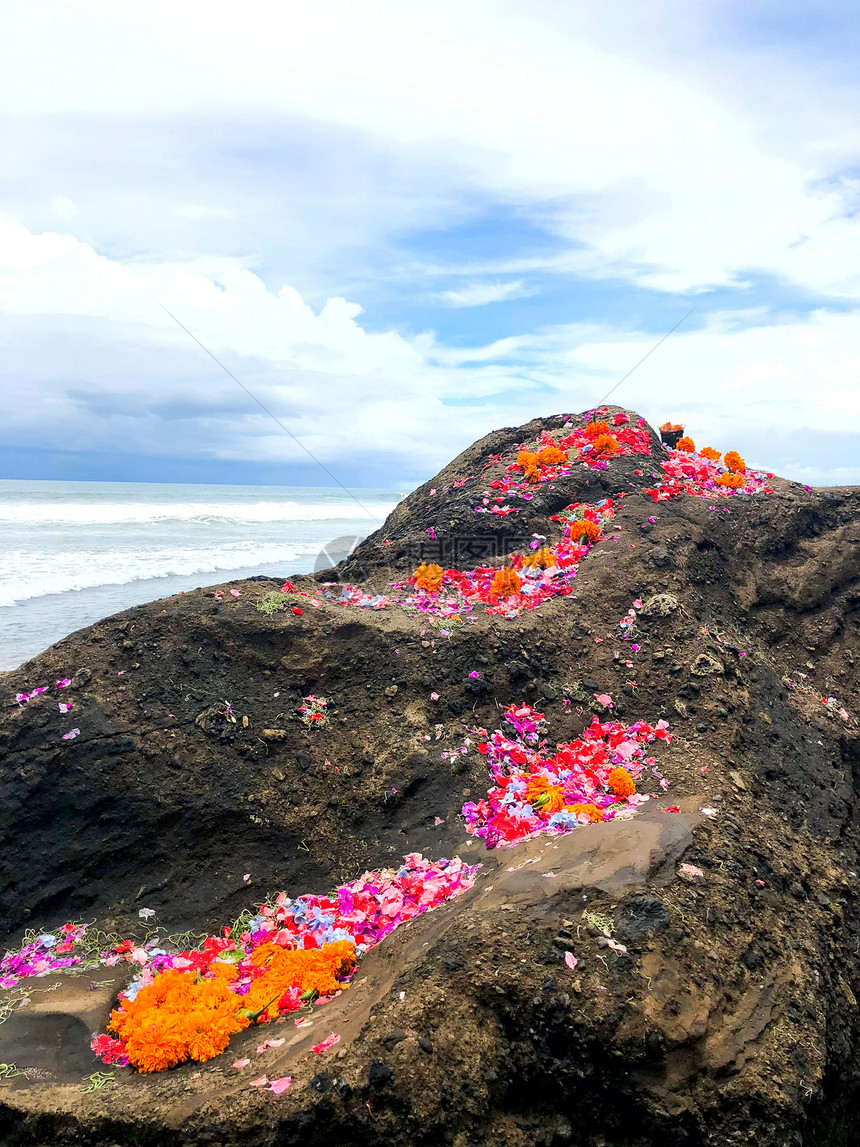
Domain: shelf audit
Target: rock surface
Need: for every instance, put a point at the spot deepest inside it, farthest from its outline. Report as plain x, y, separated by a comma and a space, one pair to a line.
732, 1015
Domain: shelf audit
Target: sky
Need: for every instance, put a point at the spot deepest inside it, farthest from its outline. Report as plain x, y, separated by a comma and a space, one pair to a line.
402, 225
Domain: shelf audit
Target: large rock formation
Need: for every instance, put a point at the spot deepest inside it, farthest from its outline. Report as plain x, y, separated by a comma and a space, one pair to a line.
732, 1015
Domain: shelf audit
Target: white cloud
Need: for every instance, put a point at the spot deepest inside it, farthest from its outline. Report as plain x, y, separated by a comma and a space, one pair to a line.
480, 294
231, 169
114, 362
344, 390
64, 207
672, 167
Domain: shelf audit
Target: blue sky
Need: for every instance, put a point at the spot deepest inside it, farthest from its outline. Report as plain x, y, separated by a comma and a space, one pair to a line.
403, 225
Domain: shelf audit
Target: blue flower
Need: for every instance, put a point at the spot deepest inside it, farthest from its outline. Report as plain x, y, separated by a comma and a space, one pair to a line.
563, 819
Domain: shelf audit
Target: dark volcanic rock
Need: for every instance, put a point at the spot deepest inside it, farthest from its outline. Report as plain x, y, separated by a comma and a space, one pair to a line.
733, 1016
642, 916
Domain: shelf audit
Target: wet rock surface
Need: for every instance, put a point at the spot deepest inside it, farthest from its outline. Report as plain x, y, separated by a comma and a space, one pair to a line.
723, 1011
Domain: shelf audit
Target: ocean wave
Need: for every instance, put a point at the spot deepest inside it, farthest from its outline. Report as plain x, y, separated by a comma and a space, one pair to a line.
27, 575
121, 513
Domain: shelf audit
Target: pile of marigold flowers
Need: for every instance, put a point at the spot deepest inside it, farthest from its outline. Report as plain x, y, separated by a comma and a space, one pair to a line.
554, 457
186, 1005
588, 780
184, 1015
525, 583
702, 474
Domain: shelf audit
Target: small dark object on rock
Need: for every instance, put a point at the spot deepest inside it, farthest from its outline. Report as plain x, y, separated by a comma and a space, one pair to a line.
380, 1074
425, 1045
661, 558
642, 916
397, 1035
321, 1081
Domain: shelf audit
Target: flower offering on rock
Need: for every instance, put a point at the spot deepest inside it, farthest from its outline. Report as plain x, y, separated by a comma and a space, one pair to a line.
701, 475
186, 1005
585, 781
312, 712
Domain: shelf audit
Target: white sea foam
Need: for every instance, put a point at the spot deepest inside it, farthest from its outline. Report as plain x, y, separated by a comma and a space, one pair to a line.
121, 513
26, 575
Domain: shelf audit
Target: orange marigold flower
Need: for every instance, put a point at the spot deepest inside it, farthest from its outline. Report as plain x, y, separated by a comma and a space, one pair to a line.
733, 481
526, 459
180, 1017
505, 582
542, 794
669, 427
604, 444
735, 463
584, 530
177, 1017
595, 429
594, 814
622, 783
308, 969
711, 454
542, 558
551, 456
428, 577
687, 445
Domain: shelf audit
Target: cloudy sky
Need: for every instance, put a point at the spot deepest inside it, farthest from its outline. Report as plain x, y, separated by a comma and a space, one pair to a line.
403, 224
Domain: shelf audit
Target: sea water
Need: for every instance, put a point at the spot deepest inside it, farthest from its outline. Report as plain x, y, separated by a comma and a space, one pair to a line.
74, 552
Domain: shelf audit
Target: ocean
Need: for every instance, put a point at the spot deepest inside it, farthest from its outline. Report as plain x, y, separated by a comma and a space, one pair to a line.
74, 552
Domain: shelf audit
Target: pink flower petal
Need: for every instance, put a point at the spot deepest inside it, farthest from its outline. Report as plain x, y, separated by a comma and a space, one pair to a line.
240, 1063
327, 1043
261, 1082
570, 960
280, 1085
